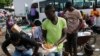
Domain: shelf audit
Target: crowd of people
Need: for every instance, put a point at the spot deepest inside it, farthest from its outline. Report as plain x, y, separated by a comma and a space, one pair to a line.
53, 30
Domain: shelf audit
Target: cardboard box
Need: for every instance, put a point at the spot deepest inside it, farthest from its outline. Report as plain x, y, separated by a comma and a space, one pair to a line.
16, 28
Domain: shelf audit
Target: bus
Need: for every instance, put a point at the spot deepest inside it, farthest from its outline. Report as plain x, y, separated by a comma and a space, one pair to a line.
83, 5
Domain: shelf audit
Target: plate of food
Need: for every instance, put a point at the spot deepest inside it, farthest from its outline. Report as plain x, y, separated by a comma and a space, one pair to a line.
49, 47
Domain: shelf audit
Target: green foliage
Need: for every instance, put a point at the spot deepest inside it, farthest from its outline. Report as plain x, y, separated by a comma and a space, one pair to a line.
8, 2
5, 3
2, 1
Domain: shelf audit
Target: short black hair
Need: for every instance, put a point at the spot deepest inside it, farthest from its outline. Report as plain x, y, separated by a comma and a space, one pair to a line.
48, 7
37, 22
68, 4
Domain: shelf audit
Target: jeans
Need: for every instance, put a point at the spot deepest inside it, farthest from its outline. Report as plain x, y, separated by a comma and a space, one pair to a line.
52, 54
55, 54
28, 52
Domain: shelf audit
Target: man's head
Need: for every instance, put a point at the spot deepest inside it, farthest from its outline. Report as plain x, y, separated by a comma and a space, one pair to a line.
68, 5
50, 12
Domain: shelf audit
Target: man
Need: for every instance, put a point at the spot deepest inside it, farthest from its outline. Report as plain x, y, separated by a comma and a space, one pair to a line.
73, 17
54, 30
95, 12
22, 43
9, 23
95, 18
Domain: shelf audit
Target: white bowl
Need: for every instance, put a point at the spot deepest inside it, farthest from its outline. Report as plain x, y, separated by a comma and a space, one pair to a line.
49, 50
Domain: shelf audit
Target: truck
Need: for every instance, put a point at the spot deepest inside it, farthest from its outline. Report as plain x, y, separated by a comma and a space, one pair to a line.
20, 6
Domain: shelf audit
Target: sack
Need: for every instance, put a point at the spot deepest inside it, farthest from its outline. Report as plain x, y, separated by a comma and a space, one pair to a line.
88, 50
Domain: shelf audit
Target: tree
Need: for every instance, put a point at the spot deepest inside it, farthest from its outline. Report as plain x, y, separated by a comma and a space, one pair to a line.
2, 3
8, 2
5, 3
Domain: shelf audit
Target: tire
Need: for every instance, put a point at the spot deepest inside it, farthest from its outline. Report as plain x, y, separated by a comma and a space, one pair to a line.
92, 40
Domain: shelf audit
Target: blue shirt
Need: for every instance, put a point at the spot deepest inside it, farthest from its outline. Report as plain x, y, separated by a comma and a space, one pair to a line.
37, 33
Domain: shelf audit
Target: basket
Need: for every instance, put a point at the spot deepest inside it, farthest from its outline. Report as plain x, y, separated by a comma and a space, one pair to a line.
82, 39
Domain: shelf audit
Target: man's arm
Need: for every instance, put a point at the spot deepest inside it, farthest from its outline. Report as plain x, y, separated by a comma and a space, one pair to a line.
4, 47
63, 37
64, 32
44, 35
44, 31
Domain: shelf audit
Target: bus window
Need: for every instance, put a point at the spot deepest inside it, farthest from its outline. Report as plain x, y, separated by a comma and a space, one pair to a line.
78, 4
98, 3
87, 5
84, 4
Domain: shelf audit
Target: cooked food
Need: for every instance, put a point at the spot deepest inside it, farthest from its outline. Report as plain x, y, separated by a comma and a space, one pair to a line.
48, 46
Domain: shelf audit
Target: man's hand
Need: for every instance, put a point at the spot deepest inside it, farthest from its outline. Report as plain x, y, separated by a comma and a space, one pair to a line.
56, 44
39, 43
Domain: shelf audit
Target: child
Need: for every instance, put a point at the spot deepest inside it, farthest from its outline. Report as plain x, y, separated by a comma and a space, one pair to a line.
37, 34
